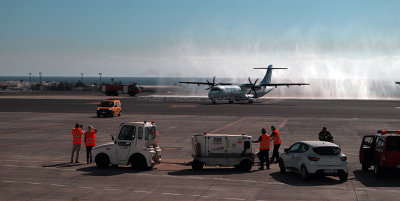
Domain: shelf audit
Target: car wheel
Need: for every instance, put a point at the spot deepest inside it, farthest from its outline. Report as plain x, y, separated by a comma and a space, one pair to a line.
197, 165
98, 115
304, 173
343, 177
377, 170
282, 166
102, 161
364, 166
245, 165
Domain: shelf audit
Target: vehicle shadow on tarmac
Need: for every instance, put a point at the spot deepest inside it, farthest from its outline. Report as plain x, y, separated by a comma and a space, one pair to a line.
294, 179
208, 171
111, 171
391, 179
63, 165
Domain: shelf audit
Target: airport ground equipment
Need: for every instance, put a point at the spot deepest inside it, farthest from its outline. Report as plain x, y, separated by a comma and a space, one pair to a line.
315, 157
381, 150
116, 89
135, 145
222, 150
109, 107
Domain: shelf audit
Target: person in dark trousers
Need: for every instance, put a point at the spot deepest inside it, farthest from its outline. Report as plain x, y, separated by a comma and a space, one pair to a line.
90, 142
276, 138
325, 135
263, 155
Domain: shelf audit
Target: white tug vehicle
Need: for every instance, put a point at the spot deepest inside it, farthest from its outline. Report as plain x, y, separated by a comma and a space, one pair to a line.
135, 145
222, 150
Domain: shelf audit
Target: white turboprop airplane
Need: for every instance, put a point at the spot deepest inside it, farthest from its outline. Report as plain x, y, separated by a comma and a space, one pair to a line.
242, 92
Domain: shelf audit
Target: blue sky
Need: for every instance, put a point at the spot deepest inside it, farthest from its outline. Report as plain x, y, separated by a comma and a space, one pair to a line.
198, 38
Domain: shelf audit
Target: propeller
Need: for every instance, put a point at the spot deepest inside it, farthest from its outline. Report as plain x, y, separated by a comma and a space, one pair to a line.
253, 87
211, 84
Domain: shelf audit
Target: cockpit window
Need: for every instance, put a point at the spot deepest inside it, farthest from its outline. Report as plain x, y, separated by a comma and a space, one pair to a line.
216, 89
106, 104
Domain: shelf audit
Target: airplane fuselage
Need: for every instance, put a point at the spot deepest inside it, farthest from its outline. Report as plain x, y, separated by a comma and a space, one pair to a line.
235, 93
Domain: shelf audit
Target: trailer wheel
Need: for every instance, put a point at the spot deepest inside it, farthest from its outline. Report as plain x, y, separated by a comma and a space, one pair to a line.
197, 165
102, 161
138, 162
246, 165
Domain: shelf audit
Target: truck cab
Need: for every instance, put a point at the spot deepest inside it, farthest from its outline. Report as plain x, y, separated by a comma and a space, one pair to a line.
109, 107
381, 150
222, 150
135, 144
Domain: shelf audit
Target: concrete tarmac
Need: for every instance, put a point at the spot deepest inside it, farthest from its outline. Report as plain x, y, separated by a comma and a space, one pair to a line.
35, 145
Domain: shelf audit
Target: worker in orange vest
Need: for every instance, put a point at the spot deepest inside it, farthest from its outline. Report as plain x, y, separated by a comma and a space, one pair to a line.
90, 142
276, 138
76, 142
263, 155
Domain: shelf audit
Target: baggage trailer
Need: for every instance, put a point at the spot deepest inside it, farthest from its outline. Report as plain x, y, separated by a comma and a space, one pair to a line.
222, 150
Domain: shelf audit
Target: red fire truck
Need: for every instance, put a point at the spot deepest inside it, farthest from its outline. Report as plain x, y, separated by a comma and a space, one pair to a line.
116, 89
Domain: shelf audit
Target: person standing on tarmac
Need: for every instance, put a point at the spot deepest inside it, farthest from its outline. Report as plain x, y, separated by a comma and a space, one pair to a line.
325, 135
277, 143
263, 155
76, 142
90, 142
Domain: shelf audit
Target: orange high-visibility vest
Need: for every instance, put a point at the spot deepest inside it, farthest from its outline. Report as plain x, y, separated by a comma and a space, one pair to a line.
77, 136
276, 138
265, 141
90, 138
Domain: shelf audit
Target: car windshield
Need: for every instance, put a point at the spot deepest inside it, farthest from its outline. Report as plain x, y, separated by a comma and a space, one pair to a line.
327, 150
106, 104
393, 143
150, 133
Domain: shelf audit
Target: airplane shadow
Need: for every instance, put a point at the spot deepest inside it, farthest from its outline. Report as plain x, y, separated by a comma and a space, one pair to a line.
294, 179
110, 171
367, 178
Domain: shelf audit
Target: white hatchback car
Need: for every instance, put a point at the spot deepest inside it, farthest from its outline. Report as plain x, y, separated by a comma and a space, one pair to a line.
315, 157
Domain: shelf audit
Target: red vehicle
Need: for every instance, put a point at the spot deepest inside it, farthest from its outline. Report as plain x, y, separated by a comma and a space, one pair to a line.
381, 150
116, 89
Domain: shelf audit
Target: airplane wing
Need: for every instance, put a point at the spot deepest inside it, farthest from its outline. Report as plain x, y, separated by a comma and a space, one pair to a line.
284, 84
205, 83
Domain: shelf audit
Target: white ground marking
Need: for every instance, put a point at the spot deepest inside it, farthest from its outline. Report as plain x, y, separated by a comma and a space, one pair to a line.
111, 189
234, 199
8, 181
142, 191
85, 187
12, 160
33, 183
61, 185
175, 194
366, 189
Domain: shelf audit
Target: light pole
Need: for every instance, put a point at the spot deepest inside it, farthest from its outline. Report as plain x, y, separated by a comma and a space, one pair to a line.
100, 76
30, 81
40, 75
81, 77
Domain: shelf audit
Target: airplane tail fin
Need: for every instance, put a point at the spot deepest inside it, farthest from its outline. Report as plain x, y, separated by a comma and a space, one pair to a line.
268, 75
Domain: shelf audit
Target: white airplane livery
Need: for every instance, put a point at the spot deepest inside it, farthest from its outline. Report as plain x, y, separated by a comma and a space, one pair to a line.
247, 92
